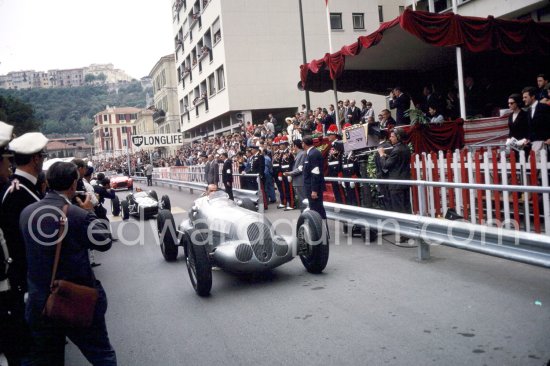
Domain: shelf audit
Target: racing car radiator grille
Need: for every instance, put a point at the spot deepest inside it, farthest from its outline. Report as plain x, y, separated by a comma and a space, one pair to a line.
243, 252
259, 236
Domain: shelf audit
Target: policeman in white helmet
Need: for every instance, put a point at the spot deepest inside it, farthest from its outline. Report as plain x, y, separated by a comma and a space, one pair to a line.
29, 156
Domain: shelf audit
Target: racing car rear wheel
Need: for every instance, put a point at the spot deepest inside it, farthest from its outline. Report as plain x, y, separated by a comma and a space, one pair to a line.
115, 206
248, 204
199, 267
125, 210
165, 203
312, 242
167, 235
153, 194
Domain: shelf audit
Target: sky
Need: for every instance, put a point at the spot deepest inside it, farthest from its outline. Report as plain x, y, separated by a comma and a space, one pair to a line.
62, 34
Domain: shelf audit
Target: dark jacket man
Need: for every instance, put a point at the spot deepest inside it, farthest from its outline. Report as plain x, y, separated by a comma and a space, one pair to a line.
39, 224
401, 102
314, 179
227, 175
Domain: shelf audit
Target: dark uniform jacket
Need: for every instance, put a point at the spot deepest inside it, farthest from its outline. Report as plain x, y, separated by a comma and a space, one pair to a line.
539, 124
314, 180
13, 203
258, 165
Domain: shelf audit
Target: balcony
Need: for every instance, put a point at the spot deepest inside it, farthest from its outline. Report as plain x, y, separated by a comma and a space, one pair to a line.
179, 43
186, 71
194, 19
204, 52
159, 116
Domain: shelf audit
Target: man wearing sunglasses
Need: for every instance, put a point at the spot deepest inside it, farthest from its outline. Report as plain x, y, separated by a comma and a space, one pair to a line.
29, 156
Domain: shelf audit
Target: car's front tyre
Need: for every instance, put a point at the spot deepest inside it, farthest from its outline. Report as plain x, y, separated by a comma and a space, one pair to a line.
198, 267
312, 242
125, 210
167, 235
115, 206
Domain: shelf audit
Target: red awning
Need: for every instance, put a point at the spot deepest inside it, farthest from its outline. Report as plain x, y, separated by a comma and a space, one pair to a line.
420, 45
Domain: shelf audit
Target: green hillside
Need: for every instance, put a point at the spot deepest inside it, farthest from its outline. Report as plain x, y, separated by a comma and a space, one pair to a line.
71, 110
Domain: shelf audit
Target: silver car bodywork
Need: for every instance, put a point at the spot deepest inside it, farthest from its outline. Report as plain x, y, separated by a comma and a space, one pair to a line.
237, 239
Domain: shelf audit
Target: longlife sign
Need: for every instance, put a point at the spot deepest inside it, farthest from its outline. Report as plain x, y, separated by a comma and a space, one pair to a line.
171, 139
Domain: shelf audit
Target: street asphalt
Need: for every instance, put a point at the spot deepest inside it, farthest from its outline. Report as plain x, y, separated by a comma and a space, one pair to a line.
375, 304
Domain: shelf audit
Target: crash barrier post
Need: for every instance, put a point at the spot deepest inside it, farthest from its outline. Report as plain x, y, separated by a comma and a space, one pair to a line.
497, 240
482, 166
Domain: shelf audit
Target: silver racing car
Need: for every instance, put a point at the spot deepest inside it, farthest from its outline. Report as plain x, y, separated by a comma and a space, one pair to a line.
220, 232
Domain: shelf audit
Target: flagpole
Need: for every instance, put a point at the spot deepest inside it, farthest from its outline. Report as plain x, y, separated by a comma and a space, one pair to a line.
460, 75
304, 59
334, 87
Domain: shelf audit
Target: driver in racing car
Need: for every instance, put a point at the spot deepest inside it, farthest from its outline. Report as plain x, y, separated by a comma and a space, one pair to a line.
211, 188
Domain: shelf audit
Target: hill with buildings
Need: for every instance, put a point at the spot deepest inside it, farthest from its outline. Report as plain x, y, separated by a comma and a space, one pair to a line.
71, 110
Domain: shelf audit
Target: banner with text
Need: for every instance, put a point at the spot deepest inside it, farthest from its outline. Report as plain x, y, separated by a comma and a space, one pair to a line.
170, 139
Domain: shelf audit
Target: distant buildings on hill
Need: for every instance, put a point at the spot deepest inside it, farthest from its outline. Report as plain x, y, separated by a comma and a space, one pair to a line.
93, 74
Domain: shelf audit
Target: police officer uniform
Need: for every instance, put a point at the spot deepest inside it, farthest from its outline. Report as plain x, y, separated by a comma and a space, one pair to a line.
19, 194
227, 177
334, 163
258, 167
287, 163
350, 169
277, 174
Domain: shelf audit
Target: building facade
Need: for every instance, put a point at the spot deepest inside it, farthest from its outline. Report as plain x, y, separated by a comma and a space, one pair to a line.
538, 10
113, 130
237, 62
62, 78
166, 116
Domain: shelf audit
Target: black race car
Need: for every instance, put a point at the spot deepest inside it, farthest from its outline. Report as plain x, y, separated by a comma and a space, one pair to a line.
141, 204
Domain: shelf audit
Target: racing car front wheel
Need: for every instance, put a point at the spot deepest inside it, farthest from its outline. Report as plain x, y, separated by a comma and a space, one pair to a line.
125, 210
167, 235
312, 242
115, 206
199, 267
165, 203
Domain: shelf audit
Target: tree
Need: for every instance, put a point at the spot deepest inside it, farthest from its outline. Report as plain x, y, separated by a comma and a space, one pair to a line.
19, 114
89, 78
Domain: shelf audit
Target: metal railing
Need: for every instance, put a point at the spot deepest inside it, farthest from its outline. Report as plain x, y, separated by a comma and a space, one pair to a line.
500, 241
254, 196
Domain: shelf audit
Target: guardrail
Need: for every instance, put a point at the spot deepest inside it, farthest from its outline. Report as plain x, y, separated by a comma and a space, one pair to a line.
254, 196
497, 241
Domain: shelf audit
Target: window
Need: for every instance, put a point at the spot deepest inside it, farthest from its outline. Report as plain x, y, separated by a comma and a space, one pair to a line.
336, 21
216, 31
221, 78
105, 118
124, 130
358, 20
212, 84
380, 13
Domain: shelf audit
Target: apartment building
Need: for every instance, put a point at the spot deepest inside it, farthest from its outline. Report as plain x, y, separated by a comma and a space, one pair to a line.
166, 116
238, 61
114, 127
538, 10
61, 78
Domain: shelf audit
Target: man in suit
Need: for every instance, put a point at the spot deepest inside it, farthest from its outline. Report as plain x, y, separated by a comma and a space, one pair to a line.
149, 174
538, 115
401, 102
227, 174
314, 180
29, 157
40, 223
397, 164
211, 170
296, 176
353, 113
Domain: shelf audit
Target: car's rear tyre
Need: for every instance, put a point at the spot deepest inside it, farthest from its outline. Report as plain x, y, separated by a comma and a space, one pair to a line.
312, 242
153, 194
115, 206
125, 210
199, 267
165, 203
166, 228
249, 204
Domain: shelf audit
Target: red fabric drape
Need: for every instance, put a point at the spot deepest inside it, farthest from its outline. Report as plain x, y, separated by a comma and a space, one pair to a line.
432, 138
511, 37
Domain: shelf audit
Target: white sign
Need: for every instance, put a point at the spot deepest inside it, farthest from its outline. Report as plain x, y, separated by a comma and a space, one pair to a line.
171, 139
